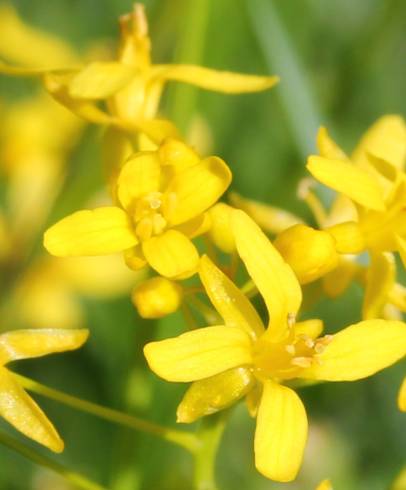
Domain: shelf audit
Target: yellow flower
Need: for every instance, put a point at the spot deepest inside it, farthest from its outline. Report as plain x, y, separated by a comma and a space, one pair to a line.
374, 181
162, 197
19, 409
242, 357
132, 85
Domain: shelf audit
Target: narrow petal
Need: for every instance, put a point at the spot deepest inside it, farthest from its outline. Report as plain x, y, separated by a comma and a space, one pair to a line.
233, 306
311, 328
327, 147
196, 226
139, 176
402, 396
281, 433
101, 231
210, 395
359, 351
24, 344
275, 280
199, 354
100, 80
353, 182
197, 188
219, 81
385, 139
401, 243
21, 411
171, 254
380, 279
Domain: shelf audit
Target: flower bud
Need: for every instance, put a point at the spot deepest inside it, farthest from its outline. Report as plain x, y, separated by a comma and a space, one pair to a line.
220, 230
310, 253
157, 297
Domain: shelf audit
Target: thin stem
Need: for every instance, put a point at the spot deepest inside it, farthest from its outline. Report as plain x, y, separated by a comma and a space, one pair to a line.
188, 317
72, 477
209, 432
186, 440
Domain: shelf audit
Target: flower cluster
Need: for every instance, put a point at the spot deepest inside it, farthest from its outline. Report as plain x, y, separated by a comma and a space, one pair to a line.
203, 256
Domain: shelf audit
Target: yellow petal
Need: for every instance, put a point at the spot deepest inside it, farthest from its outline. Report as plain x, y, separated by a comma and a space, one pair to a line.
171, 254
310, 253
134, 258
24, 344
385, 139
177, 154
197, 188
157, 297
233, 306
273, 277
196, 226
21, 411
23, 44
380, 279
353, 182
100, 80
220, 230
199, 354
348, 237
402, 396
327, 147
156, 129
139, 176
359, 351
219, 81
98, 232
212, 394
397, 297
269, 218
338, 280
281, 433
401, 243
311, 328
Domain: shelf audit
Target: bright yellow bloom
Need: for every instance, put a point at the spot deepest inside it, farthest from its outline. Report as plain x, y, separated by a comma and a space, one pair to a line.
375, 183
132, 85
161, 200
19, 409
242, 357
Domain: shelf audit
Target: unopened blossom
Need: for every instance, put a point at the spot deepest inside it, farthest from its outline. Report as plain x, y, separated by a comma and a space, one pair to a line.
243, 357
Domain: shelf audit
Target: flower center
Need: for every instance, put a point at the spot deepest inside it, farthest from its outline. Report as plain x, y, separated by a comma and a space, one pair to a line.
151, 214
285, 359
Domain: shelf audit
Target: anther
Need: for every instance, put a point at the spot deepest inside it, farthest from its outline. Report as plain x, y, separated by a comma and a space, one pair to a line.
290, 349
291, 319
303, 362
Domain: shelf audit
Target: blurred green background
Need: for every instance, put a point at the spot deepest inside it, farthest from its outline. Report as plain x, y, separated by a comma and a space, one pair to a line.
341, 64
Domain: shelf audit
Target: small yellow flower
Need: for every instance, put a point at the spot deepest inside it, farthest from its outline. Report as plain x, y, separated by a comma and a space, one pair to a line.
242, 357
375, 183
19, 409
131, 85
162, 198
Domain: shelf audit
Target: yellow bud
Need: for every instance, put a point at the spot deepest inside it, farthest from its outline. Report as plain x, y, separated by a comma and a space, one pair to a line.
348, 237
310, 253
157, 297
220, 231
212, 394
176, 153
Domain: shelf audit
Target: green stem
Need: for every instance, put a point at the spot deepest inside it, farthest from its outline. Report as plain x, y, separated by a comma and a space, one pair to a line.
209, 432
72, 477
210, 315
186, 440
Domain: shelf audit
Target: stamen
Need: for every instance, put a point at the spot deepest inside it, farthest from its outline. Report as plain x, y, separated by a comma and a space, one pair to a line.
319, 348
290, 349
291, 319
159, 224
144, 229
303, 362
169, 205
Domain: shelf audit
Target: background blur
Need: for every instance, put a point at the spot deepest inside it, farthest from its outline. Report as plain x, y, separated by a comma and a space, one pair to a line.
342, 65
